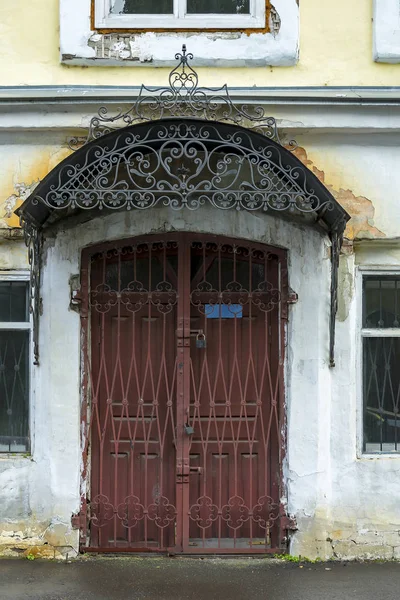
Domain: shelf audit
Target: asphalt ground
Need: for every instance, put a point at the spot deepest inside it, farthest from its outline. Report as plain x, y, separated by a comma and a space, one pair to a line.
138, 578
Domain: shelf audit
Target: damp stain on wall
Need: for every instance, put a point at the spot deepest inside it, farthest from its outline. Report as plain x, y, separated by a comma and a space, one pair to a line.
361, 208
20, 178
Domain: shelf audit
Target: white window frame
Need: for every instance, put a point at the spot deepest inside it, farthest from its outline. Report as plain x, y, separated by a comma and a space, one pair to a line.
368, 333
386, 25
82, 45
9, 276
180, 19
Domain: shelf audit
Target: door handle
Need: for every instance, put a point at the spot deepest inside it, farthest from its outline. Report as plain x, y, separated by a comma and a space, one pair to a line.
196, 469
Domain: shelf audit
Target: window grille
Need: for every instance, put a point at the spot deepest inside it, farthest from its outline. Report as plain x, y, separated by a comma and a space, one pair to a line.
381, 360
14, 366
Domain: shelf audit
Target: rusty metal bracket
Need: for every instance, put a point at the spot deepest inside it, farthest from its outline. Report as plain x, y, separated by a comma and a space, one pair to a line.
292, 296
288, 523
79, 521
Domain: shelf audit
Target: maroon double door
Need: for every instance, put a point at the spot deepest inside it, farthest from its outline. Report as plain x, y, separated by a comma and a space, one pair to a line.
184, 395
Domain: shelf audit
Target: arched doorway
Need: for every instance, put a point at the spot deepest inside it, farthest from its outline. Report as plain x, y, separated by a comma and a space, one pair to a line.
182, 364
184, 392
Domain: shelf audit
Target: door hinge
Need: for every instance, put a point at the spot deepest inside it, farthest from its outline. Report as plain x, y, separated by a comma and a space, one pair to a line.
78, 521
75, 293
288, 523
292, 296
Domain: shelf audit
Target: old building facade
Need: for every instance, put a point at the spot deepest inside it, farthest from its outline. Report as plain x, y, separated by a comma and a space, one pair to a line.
199, 345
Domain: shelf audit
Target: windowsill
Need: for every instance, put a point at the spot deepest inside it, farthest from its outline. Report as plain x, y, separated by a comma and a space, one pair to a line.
373, 451
380, 455
81, 46
10, 456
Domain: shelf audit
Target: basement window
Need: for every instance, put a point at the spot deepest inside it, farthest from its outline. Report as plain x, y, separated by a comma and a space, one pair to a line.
179, 14
381, 359
14, 366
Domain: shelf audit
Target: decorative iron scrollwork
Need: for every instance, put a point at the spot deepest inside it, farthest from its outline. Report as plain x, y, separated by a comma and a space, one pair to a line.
33, 241
183, 165
235, 513
183, 98
191, 146
131, 512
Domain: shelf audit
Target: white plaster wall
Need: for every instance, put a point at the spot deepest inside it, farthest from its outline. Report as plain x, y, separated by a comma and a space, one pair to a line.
334, 494
345, 504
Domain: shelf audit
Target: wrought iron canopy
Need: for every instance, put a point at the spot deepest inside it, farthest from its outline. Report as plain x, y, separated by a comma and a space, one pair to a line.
181, 146
183, 163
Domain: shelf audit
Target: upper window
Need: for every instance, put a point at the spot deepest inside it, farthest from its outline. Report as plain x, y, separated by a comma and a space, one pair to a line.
387, 31
144, 32
14, 366
381, 359
180, 14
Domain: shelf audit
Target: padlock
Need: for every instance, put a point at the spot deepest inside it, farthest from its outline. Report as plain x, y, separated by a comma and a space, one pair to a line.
189, 429
201, 341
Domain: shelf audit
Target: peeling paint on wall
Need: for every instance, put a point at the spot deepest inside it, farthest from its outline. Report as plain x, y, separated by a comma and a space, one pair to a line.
346, 538
361, 209
8, 218
346, 282
52, 539
20, 175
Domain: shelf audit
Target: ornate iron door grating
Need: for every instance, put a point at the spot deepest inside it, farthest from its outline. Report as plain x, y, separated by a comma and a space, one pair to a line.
183, 408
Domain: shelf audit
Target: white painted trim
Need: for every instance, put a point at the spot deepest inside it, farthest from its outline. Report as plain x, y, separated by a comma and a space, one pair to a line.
14, 275
386, 45
79, 45
179, 18
384, 270
358, 283
314, 96
362, 270
15, 326
378, 332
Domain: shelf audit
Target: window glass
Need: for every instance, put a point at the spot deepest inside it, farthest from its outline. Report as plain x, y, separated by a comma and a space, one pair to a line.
14, 391
14, 366
381, 357
231, 7
137, 7
119, 276
381, 360
13, 301
221, 273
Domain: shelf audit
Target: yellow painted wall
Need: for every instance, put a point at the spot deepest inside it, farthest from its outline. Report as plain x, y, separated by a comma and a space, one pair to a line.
335, 50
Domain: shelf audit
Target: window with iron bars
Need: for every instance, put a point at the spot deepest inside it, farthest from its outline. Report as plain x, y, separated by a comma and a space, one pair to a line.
14, 366
180, 14
381, 363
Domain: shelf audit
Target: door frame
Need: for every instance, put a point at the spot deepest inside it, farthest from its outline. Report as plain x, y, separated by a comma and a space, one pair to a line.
81, 520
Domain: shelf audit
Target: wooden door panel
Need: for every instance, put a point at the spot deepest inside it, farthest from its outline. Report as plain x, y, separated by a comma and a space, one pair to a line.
185, 435
135, 439
234, 386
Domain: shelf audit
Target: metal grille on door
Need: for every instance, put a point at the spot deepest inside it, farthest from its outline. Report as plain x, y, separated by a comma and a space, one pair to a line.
184, 395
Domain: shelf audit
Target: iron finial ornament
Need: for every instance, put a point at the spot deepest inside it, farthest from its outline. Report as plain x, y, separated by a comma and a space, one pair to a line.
184, 98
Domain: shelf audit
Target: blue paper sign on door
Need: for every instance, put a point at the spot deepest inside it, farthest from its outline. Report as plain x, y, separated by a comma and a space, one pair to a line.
224, 311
